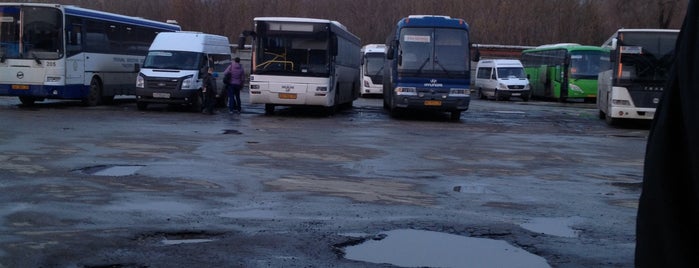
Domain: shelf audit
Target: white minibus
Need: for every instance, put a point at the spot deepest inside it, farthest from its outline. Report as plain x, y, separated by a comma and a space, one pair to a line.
501, 79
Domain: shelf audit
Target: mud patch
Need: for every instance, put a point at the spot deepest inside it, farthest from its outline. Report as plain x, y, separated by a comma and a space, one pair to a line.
20, 164
416, 248
362, 190
508, 205
627, 203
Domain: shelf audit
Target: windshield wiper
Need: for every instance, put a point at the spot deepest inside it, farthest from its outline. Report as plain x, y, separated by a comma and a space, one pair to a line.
419, 70
36, 58
440, 65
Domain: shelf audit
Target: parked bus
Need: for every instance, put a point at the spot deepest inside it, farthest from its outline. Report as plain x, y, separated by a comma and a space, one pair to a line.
565, 72
50, 51
641, 60
303, 61
428, 65
371, 72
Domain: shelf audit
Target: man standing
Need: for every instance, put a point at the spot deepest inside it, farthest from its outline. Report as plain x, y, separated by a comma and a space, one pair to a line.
234, 84
209, 90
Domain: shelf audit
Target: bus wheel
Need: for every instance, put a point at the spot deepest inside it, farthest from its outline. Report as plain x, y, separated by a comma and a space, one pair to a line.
94, 95
141, 105
269, 109
455, 115
611, 120
27, 101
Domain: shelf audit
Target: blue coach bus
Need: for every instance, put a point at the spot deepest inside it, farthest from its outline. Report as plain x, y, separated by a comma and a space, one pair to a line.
51, 51
428, 66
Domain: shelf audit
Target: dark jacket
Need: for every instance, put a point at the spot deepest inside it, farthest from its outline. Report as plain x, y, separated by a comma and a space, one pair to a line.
667, 225
210, 85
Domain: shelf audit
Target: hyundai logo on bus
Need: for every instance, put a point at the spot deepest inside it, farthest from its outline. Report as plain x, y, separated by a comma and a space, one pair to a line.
433, 83
288, 87
20, 75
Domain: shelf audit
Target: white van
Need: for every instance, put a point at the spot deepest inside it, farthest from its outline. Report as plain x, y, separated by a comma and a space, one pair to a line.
501, 79
171, 72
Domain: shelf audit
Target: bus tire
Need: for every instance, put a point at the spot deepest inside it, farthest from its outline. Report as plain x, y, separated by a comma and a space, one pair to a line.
27, 101
611, 120
141, 105
601, 114
269, 109
481, 95
455, 115
94, 94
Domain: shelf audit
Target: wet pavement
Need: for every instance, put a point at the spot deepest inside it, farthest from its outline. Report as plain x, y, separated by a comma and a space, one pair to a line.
535, 184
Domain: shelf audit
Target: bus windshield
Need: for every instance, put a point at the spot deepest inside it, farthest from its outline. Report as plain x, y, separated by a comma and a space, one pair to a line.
373, 64
588, 64
646, 56
292, 53
435, 52
177, 60
38, 36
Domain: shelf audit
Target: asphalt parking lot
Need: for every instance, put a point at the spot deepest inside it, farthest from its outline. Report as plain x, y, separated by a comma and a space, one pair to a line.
530, 184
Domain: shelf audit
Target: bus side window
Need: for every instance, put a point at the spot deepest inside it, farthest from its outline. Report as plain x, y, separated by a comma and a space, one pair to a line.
74, 45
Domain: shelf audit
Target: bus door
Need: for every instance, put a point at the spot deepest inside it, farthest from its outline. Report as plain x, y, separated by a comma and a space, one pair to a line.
75, 59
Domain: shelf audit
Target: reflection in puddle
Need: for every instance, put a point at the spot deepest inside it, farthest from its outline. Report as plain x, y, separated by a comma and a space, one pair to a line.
184, 241
415, 248
112, 171
553, 226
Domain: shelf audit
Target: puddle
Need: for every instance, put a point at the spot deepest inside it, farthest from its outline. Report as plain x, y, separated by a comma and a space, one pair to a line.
509, 112
553, 226
112, 170
416, 248
184, 241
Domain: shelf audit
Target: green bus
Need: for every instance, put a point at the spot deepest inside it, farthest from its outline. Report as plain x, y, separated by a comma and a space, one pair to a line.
565, 72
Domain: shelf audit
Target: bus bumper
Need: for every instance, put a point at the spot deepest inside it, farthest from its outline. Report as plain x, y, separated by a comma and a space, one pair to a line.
44, 91
166, 96
631, 113
445, 104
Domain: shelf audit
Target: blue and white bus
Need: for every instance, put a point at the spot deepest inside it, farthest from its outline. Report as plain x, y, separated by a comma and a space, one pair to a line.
51, 51
428, 66
303, 61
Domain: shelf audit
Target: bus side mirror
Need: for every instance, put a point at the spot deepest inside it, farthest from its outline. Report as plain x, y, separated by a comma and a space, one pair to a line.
362, 61
136, 67
390, 53
241, 41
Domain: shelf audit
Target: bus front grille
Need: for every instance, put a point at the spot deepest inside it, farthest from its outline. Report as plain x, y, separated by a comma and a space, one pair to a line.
169, 84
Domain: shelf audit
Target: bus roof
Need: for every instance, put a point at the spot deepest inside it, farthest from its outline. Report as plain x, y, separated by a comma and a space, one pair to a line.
336, 24
431, 21
624, 30
565, 46
102, 15
90, 13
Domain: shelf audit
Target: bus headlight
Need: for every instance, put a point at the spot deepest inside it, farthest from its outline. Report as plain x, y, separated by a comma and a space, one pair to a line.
575, 88
139, 81
322, 89
406, 91
502, 86
459, 92
621, 102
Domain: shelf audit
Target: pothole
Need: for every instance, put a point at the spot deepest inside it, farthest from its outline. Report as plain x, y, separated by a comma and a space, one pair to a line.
553, 226
417, 248
178, 238
112, 170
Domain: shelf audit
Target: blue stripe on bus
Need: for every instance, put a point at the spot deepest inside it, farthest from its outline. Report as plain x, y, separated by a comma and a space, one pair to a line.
42, 91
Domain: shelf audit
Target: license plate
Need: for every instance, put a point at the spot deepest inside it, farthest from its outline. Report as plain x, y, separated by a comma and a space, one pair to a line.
433, 103
287, 96
20, 87
161, 95
516, 94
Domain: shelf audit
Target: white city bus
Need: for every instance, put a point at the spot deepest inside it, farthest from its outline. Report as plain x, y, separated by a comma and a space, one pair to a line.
641, 60
303, 61
51, 51
371, 71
